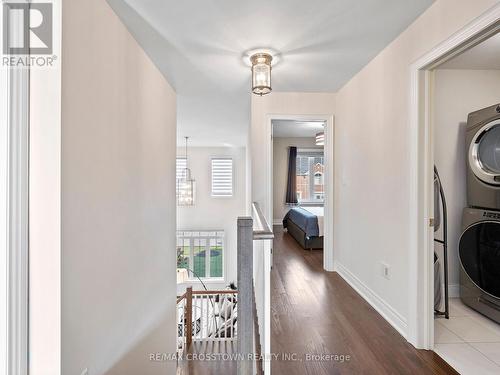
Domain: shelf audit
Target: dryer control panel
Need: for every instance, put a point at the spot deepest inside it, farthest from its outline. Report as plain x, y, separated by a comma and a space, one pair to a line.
491, 215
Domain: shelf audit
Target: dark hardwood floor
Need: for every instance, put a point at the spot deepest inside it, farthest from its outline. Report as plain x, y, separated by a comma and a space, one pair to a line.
216, 365
317, 312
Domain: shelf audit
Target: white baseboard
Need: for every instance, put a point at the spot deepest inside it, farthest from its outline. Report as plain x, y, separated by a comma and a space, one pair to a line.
453, 290
383, 308
277, 221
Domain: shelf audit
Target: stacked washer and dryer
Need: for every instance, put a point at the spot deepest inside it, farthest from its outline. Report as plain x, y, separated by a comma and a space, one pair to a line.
479, 246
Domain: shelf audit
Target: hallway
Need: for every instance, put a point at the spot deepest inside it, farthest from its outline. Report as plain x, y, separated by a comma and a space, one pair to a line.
315, 312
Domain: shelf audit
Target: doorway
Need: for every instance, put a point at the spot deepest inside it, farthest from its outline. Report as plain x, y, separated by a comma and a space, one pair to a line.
426, 74
465, 129
313, 140
14, 125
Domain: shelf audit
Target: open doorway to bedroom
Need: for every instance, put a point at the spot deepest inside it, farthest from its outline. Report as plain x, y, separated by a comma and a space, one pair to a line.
298, 180
298, 184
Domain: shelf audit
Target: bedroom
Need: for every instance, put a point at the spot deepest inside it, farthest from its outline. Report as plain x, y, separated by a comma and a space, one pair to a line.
298, 181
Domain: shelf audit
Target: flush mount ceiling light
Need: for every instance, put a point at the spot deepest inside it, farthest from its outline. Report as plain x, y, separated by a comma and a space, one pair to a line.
261, 73
320, 139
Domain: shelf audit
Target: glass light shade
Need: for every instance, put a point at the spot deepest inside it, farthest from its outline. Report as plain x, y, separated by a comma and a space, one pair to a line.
261, 73
186, 190
320, 139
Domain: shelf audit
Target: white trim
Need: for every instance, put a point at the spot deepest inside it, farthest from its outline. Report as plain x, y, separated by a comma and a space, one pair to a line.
421, 282
310, 204
329, 198
394, 318
277, 221
18, 221
16, 128
317, 150
195, 279
4, 88
266, 339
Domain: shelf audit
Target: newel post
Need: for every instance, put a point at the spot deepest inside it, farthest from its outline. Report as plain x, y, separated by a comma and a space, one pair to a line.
245, 295
189, 315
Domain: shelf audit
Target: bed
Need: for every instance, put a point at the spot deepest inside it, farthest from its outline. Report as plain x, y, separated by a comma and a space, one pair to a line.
306, 225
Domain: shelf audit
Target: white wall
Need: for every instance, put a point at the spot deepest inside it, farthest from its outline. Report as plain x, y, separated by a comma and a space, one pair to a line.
4, 204
456, 94
280, 171
45, 213
118, 199
216, 213
373, 139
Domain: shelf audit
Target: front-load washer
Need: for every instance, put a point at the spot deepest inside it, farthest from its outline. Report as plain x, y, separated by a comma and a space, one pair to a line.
479, 253
483, 159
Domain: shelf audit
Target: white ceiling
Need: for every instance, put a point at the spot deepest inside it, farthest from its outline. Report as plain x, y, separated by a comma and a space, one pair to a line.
198, 46
296, 129
485, 55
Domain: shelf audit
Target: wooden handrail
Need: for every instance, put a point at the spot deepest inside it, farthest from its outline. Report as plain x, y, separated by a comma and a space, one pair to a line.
180, 298
206, 292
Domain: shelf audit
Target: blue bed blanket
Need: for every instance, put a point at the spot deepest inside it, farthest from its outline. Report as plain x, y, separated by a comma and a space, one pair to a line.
304, 219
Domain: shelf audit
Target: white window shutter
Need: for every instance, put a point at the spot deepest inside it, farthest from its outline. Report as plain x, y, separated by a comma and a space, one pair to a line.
222, 177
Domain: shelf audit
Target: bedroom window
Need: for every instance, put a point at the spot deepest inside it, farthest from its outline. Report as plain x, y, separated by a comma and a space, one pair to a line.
201, 252
310, 176
222, 177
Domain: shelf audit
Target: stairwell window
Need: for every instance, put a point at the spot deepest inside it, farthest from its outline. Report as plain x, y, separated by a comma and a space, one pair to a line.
202, 253
222, 177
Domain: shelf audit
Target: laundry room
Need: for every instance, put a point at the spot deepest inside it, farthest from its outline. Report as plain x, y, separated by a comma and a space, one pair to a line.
466, 139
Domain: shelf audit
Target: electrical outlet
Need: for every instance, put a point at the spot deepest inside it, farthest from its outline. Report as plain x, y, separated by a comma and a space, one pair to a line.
386, 271
85, 371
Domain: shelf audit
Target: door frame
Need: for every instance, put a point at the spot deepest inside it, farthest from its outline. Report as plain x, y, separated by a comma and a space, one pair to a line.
329, 155
421, 246
14, 172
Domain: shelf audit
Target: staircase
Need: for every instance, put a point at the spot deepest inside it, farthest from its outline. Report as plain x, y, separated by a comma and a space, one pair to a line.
213, 315
224, 331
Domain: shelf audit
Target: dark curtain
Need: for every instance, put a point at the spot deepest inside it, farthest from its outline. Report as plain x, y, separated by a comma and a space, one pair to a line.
291, 186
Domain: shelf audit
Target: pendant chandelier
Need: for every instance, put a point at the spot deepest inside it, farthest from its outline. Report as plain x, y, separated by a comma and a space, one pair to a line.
185, 184
261, 73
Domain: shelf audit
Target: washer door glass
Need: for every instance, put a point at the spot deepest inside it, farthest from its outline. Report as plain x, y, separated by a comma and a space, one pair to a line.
489, 150
479, 252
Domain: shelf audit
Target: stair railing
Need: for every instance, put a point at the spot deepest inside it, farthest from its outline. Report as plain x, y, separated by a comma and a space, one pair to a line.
253, 286
206, 315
